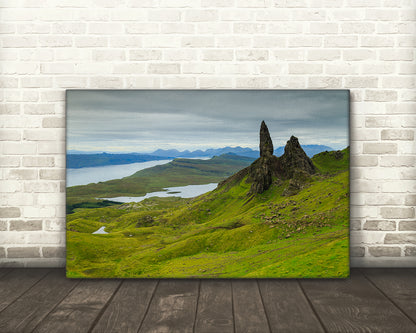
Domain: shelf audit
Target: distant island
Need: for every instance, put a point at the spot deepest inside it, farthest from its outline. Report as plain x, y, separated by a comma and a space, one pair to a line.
80, 159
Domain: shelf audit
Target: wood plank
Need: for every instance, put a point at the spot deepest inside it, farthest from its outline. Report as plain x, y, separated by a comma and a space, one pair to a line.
173, 307
78, 311
249, 315
397, 284
17, 282
128, 307
287, 308
29, 310
215, 307
354, 305
4, 271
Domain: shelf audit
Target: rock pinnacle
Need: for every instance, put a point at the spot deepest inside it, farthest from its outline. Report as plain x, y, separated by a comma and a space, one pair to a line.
266, 144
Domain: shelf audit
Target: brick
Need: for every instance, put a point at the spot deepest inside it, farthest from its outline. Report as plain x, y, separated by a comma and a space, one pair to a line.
30, 225
377, 41
9, 161
400, 238
361, 82
164, 15
379, 225
2, 253
410, 251
129, 68
55, 41
106, 28
392, 54
264, 42
10, 135
285, 28
397, 161
179, 82
341, 41
177, 28
144, 55
410, 200
323, 55
198, 41
218, 55
214, 28
355, 225
41, 187
39, 109
407, 225
21, 174
305, 41
252, 82
397, 212
109, 55
51, 147
305, 68
21, 148
359, 55
23, 252
252, 55
132, 41
357, 251
384, 251
195, 15
163, 68
53, 252
393, 134
324, 82
249, 28
52, 174
3, 225
358, 28
379, 148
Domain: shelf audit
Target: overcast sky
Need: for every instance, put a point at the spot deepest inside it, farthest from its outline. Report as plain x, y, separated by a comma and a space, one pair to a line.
145, 120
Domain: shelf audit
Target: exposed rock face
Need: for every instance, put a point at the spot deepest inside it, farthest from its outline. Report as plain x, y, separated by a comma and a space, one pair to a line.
295, 159
266, 144
263, 169
293, 162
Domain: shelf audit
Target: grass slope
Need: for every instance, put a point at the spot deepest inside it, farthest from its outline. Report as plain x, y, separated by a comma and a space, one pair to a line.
224, 233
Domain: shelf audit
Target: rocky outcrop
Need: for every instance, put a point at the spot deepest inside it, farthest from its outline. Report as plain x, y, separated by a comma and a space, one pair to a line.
293, 162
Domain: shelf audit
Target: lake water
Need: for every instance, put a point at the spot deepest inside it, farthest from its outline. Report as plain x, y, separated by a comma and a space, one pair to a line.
84, 176
188, 191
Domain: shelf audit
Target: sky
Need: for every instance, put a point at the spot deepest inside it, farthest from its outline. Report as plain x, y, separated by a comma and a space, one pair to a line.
145, 120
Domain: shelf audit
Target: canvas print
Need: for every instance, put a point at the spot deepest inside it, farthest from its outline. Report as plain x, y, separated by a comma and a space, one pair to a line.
207, 183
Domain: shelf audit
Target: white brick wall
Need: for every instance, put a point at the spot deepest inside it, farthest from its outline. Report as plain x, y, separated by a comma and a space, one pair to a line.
366, 46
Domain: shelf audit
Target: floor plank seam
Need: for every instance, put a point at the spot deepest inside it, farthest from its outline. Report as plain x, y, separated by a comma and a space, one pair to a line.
148, 306
232, 305
264, 308
105, 307
312, 307
388, 298
196, 308
27, 290
56, 305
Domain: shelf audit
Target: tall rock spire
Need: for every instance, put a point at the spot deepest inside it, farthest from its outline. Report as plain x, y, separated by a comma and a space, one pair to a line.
266, 144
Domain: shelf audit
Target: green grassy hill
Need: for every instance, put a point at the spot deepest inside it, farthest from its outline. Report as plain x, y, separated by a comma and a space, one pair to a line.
179, 172
224, 233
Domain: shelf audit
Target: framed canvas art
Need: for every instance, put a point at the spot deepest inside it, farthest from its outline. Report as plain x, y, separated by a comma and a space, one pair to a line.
207, 183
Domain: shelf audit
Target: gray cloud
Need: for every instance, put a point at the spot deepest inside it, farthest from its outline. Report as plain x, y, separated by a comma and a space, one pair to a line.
144, 120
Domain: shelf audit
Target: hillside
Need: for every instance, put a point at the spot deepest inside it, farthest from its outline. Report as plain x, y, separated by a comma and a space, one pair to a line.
280, 216
179, 172
224, 233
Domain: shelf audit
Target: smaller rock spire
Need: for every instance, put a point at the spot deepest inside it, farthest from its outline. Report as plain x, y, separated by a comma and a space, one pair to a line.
266, 144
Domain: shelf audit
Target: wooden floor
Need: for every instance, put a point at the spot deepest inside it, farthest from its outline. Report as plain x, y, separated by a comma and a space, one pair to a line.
43, 300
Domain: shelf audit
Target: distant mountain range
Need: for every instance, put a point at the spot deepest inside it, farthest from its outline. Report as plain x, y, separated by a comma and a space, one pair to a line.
80, 159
